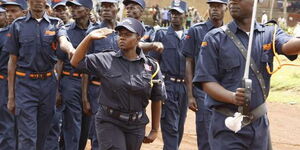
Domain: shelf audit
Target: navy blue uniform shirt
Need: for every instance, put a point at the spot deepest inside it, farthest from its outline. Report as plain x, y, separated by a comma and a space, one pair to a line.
171, 60
126, 84
35, 42
110, 42
149, 33
4, 56
220, 60
192, 45
76, 35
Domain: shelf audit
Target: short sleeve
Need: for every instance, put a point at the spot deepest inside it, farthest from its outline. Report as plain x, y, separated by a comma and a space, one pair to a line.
206, 69
158, 90
12, 44
90, 64
62, 31
281, 39
189, 43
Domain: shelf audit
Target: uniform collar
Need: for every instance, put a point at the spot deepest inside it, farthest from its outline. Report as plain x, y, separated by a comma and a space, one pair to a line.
209, 25
139, 51
234, 27
103, 24
73, 25
29, 16
172, 31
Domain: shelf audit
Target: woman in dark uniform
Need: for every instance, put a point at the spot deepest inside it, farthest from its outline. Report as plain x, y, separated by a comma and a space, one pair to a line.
129, 79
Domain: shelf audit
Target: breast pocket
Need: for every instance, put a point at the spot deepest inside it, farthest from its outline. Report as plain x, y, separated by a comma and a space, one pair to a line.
230, 68
266, 60
114, 79
26, 45
141, 84
49, 42
169, 50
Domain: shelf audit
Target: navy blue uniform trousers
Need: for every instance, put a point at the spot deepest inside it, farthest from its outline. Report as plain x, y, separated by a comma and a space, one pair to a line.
35, 107
173, 116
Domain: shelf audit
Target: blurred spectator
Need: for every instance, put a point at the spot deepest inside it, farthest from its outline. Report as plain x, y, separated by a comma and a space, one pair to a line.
297, 30
165, 17
264, 18
188, 19
197, 17
156, 14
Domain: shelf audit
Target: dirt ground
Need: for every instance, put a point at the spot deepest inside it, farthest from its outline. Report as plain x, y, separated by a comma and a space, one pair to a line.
285, 129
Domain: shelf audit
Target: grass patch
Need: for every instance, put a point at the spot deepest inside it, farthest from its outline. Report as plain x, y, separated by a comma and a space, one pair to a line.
285, 84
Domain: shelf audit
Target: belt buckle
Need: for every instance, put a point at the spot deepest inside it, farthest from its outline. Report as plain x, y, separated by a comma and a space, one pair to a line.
124, 117
34, 76
42, 76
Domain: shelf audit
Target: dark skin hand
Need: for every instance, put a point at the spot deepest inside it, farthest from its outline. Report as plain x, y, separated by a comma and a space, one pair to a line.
189, 78
156, 113
12, 65
85, 101
58, 68
156, 46
219, 93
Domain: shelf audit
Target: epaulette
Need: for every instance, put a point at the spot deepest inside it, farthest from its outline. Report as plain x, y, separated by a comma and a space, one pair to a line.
162, 28
148, 26
68, 25
271, 23
4, 29
54, 18
94, 27
19, 19
108, 50
198, 24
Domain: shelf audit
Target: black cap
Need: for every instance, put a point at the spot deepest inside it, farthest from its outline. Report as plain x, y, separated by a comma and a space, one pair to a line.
132, 25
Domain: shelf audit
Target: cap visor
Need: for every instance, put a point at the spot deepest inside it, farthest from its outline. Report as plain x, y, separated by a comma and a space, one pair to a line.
70, 3
108, 1
59, 4
177, 9
126, 2
216, 2
126, 27
10, 3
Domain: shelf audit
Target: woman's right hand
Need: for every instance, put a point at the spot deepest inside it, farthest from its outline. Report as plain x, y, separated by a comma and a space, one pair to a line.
11, 105
100, 33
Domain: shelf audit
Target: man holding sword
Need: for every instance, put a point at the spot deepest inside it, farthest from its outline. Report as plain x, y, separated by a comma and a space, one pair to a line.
220, 70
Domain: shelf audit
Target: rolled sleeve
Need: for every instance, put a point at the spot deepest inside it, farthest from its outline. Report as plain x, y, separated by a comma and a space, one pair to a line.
281, 39
207, 64
12, 45
188, 49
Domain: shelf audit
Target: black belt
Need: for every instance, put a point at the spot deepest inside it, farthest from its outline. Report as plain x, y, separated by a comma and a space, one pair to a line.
256, 113
134, 116
174, 79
